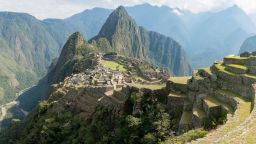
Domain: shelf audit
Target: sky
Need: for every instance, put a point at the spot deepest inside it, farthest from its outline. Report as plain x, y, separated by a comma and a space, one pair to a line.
64, 8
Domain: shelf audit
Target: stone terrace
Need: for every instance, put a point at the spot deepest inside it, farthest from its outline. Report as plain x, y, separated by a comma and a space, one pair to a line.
226, 87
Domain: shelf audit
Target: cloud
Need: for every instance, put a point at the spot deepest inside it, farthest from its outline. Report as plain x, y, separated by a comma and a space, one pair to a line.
63, 8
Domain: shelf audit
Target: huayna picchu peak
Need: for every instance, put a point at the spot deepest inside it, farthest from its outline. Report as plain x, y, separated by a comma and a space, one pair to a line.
121, 34
111, 76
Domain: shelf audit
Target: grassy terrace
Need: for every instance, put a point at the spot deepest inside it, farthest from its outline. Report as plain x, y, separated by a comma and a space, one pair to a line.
212, 102
180, 80
208, 70
221, 68
153, 87
232, 94
242, 112
238, 66
113, 65
236, 57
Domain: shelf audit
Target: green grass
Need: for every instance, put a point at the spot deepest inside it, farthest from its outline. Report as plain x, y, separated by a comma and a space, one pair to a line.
221, 68
236, 57
212, 102
180, 80
153, 87
186, 137
238, 66
208, 70
113, 65
199, 112
176, 95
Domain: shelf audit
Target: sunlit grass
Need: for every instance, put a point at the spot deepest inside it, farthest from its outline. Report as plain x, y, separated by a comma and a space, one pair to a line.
180, 80
113, 65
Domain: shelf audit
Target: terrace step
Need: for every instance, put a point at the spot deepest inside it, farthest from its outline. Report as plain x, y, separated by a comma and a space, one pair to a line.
178, 83
236, 60
198, 118
244, 91
229, 97
185, 123
235, 68
234, 127
212, 105
221, 72
176, 100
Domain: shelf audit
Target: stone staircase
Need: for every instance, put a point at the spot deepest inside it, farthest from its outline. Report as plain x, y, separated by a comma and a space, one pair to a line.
226, 87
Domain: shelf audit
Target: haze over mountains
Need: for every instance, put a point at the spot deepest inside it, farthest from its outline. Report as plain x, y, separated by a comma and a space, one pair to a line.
200, 34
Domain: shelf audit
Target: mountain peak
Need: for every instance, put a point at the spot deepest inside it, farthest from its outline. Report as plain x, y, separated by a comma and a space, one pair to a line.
118, 19
120, 11
235, 8
75, 41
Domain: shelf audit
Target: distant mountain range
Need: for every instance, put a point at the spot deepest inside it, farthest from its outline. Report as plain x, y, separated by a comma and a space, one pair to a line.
214, 34
27, 49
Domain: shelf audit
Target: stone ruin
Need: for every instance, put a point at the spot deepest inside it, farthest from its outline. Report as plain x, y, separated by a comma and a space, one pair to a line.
215, 90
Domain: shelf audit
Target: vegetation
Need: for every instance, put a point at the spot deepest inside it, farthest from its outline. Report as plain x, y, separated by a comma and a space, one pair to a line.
180, 80
238, 66
152, 125
187, 137
113, 65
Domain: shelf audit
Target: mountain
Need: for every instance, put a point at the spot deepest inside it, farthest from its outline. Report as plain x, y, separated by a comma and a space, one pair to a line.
121, 34
89, 22
219, 35
67, 63
27, 49
60, 30
249, 45
200, 34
